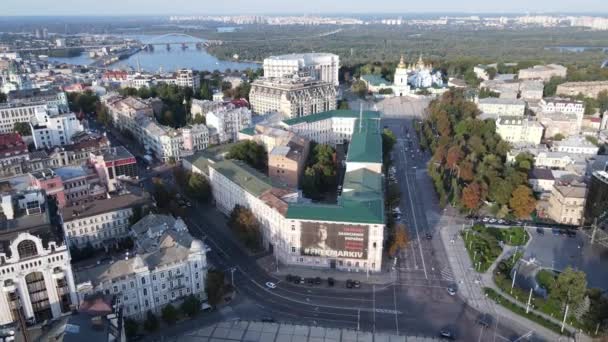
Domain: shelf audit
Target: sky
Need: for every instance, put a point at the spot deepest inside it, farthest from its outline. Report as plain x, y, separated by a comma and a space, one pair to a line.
185, 7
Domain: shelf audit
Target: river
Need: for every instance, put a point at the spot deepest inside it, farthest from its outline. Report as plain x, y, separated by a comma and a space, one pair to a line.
166, 59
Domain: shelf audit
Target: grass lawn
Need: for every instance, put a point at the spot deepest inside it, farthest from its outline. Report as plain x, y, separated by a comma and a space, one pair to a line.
483, 248
508, 304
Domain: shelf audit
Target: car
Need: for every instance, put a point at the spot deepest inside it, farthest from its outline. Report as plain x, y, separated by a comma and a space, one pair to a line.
429, 236
267, 319
446, 334
356, 284
349, 284
492, 220
289, 278
310, 281
571, 233
485, 219
330, 281
188, 204
562, 232
484, 320
555, 231
501, 221
318, 281
540, 231
270, 285
451, 290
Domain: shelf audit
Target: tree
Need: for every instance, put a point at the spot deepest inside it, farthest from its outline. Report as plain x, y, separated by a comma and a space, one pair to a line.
205, 91
453, 156
191, 306
471, 195
522, 201
388, 141
343, 104
198, 187
214, 286
103, 116
246, 226
602, 99
485, 92
399, 240
470, 78
22, 128
466, 171
199, 119
169, 314
359, 88
491, 71
251, 153
161, 194
385, 91
569, 288
2, 97
151, 323
131, 327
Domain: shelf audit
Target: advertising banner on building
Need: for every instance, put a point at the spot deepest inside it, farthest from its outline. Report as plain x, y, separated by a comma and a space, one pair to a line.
334, 240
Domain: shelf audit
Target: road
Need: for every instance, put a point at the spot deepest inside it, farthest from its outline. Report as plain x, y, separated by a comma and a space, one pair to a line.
415, 302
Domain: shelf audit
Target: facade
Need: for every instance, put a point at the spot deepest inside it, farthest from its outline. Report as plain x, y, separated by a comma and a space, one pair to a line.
35, 272
544, 72
565, 106
202, 107
559, 123
80, 184
168, 265
347, 235
596, 207
12, 149
577, 145
11, 113
541, 180
227, 121
52, 97
567, 203
188, 78
50, 130
320, 66
517, 129
292, 97
102, 223
112, 165
286, 163
498, 106
589, 89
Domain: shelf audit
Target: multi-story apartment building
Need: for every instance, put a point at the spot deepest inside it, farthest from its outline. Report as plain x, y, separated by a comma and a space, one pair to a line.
168, 265
227, 121
567, 203
11, 113
517, 129
575, 144
112, 165
35, 271
52, 97
544, 72
498, 106
188, 78
292, 97
559, 123
320, 66
103, 222
49, 130
551, 105
12, 149
202, 107
589, 89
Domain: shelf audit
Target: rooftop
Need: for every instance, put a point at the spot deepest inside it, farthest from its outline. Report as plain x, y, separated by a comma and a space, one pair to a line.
502, 101
100, 206
570, 191
245, 176
375, 80
71, 172
366, 143
338, 113
538, 173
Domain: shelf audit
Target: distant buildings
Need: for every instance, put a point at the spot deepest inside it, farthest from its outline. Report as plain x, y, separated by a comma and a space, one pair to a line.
501, 106
320, 66
576, 145
589, 89
292, 97
543, 72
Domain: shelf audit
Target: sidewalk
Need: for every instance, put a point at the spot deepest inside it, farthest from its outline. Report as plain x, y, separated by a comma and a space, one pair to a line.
471, 283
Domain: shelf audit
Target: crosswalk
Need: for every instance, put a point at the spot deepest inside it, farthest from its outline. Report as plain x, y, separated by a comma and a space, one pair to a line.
446, 274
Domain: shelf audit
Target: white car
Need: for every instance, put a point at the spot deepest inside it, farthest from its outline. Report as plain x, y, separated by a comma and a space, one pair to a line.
485, 219
271, 285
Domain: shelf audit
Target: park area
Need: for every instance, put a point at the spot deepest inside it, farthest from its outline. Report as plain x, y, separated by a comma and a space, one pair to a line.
484, 244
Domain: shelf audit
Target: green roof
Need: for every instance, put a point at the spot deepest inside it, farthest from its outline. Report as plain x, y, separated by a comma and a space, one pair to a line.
338, 113
248, 131
375, 80
361, 202
244, 176
366, 143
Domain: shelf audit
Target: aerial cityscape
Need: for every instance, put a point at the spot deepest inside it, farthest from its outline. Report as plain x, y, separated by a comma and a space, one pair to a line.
267, 171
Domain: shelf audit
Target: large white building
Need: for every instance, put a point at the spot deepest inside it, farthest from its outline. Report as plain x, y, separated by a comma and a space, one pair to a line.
168, 265
228, 121
292, 97
347, 235
518, 129
320, 66
552, 105
11, 113
35, 272
502, 106
54, 129
575, 144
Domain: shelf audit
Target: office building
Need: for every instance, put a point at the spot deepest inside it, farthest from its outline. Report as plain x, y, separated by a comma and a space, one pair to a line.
567, 203
50, 129
320, 66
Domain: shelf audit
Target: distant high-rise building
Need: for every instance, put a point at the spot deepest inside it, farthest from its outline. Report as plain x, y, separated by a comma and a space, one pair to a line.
45, 33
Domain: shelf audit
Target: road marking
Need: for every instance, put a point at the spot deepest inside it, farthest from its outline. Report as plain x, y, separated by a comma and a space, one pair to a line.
395, 303
409, 192
374, 312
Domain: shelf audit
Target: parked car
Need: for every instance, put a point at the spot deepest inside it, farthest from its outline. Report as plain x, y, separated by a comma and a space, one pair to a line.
310, 281
349, 284
452, 290
330, 281
429, 236
356, 284
484, 320
318, 281
571, 233
446, 334
271, 285
540, 231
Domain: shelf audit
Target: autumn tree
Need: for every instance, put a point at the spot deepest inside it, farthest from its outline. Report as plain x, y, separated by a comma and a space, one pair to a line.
453, 156
471, 195
467, 173
399, 240
522, 201
246, 226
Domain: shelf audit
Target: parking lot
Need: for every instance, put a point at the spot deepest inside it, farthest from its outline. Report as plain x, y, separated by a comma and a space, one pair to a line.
556, 249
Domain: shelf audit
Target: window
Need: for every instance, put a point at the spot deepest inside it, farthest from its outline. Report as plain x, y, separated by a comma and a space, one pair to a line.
26, 249
143, 281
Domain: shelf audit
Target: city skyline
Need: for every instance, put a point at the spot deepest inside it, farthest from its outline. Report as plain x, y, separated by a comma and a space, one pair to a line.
184, 7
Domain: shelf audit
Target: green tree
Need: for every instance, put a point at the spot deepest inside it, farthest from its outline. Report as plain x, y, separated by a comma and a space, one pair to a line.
22, 128
320, 175
359, 88
250, 152
103, 116
161, 194
485, 92
343, 104
2, 97
386, 91
205, 91
83, 102
191, 306
470, 78
491, 72
131, 327
558, 137
569, 288
550, 87
247, 227
522, 201
214, 286
169, 314
198, 187
199, 119
151, 323
388, 142
602, 100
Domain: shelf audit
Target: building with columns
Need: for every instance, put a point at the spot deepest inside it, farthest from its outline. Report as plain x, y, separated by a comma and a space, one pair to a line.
35, 272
